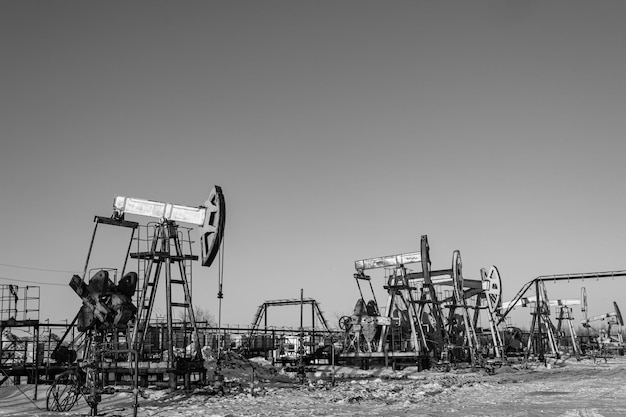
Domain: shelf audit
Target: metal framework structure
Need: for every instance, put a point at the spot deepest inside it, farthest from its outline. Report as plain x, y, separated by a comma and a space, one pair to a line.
262, 316
542, 328
554, 335
418, 322
264, 338
164, 250
108, 320
19, 309
103, 322
612, 340
565, 314
302, 357
19, 302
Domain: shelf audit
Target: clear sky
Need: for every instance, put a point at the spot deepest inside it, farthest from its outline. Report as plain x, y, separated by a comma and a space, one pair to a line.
337, 130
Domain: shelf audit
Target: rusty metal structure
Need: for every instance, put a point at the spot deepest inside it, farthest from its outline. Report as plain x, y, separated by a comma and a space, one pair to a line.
114, 331
19, 313
30, 350
556, 340
309, 345
103, 322
260, 321
609, 341
264, 338
542, 340
565, 320
430, 317
164, 253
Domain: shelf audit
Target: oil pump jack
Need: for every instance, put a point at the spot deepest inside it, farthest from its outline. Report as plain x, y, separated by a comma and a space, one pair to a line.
165, 250
108, 315
611, 341
418, 323
541, 312
542, 326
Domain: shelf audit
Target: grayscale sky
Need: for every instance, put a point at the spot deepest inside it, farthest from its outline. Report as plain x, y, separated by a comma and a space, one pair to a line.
338, 130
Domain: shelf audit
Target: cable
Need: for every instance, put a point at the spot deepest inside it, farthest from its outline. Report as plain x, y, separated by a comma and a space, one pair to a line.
39, 269
33, 282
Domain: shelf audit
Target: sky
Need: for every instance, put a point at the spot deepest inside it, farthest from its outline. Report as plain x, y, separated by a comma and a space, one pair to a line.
338, 131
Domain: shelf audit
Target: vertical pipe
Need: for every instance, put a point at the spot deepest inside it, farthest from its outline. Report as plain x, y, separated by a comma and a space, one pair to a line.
36, 359
313, 346
190, 264
168, 300
301, 348
332, 358
538, 320
383, 334
273, 345
1, 332
301, 317
135, 382
49, 351
532, 343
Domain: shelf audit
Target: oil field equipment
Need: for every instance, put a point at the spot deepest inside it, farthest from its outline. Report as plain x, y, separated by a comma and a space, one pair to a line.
296, 350
611, 340
19, 314
112, 327
107, 311
556, 338
542, 333
164, 248
562, 307
492, 295
263, 338
420, 323
104, 322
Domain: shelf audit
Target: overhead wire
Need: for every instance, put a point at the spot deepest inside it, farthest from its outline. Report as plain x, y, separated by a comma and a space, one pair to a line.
32, 282
29, 281
38, 269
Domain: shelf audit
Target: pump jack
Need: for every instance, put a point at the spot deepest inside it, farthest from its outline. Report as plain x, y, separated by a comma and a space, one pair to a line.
164, 250
414, 323
614, 318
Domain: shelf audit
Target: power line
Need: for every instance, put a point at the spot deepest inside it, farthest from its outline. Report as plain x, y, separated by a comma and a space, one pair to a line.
32, 282
39, 269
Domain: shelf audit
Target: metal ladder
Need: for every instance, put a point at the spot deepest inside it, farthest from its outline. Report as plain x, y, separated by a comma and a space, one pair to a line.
165, 250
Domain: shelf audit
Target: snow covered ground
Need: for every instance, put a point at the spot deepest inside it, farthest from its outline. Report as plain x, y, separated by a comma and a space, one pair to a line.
565, 388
